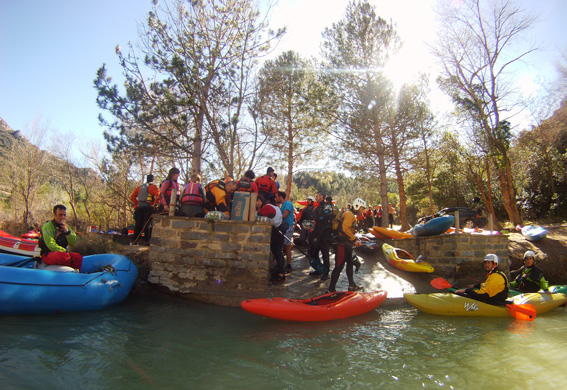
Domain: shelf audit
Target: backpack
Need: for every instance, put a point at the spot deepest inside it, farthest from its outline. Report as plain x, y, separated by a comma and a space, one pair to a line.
264, 184
337, 224
244, 185
144, 195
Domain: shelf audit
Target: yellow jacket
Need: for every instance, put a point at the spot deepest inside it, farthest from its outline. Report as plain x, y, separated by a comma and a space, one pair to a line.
494, 284
349, 225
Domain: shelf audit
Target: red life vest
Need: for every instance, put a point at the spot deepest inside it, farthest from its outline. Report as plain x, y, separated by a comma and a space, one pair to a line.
193, 194
167, 193
264, 184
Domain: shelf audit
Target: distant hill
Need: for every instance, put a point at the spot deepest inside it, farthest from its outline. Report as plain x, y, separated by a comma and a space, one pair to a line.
4, 126
8, 137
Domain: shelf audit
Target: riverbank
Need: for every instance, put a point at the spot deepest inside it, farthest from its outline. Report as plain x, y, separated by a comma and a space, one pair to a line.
377, 274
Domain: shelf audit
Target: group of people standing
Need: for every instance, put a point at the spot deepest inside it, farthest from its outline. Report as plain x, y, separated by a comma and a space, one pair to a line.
373, 217
324, 227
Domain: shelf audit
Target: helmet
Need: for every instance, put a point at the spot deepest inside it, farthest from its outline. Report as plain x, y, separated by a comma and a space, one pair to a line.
529, 254
491, 257
358, 203
311, 198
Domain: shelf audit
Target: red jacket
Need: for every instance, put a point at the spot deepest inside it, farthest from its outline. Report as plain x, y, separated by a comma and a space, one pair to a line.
267, 185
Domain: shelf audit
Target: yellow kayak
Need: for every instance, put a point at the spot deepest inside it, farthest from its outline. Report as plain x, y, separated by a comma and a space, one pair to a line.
401, 259
449, 304
389, 233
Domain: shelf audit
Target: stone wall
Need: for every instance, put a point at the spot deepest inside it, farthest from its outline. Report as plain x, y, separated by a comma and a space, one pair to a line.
458, 256
221, 262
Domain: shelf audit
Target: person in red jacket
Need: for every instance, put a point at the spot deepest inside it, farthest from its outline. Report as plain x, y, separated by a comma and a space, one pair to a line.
145, 199
247, 184
267, 185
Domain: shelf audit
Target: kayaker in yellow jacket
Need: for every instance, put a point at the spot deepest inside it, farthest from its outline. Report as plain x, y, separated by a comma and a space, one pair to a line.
495, 287
345, 244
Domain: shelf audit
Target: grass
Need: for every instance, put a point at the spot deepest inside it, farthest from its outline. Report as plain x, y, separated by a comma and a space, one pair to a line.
94, 244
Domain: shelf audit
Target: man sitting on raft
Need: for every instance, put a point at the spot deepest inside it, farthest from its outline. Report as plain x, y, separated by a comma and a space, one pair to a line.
55, 237
495, 288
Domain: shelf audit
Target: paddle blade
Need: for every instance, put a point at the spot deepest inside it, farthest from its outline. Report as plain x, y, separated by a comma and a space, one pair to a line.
440, 283
525, 311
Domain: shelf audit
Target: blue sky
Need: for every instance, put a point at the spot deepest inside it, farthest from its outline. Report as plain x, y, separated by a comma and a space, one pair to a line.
50, 50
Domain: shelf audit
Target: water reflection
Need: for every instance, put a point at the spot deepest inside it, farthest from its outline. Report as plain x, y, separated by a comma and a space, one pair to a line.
166, 343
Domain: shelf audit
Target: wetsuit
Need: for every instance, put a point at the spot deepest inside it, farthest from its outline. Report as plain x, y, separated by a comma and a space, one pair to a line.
530, 280
344, 251
321, 236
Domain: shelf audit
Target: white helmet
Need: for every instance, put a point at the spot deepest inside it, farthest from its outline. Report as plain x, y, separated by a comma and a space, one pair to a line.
358, 203
311, 198
491, 257
529, 254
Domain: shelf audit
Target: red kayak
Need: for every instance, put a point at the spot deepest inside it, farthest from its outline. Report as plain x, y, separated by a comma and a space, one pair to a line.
331, 306
17, 246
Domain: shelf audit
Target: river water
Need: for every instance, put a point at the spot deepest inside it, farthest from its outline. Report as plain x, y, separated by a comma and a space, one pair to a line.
158, 342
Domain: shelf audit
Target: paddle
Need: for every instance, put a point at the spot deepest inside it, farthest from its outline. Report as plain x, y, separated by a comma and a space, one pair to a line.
525, 311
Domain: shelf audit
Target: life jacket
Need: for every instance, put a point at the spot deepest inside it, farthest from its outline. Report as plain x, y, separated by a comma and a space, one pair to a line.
193, 194
264, 184
61, 240
211, 200
502, 295
244, 184
170, 187
337, 224
215, 183
144, 194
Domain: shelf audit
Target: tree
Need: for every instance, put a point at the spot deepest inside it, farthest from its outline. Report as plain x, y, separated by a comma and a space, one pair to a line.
290, 99
477, 51
28, 172
201, 55
355, 51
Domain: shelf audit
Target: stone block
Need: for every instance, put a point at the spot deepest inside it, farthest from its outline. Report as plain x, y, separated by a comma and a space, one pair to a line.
161, 257
232, 248
183, 224
257, 248
254, 256
242, 228
195, 235
198, 253
261, 228
183, 244
187, 260
224, 255
212, 262
259, 238
225, 228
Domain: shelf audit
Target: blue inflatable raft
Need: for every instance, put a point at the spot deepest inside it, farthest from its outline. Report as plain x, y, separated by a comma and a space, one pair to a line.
434, 226
26, 288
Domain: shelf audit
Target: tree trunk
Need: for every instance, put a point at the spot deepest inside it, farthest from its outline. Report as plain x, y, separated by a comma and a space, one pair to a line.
401, 187
508, 192
382, 170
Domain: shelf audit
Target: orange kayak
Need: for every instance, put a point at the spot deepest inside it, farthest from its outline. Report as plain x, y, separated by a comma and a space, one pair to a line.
331, 306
